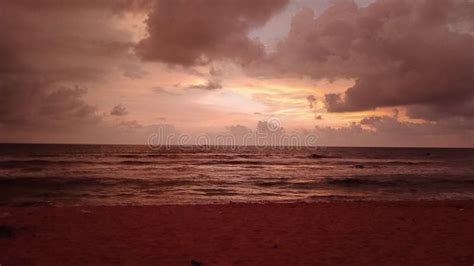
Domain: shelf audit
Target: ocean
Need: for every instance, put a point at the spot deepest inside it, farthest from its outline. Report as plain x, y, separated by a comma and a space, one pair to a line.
65, 175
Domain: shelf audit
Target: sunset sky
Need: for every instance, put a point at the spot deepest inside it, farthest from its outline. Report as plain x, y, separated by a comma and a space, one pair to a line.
376, 73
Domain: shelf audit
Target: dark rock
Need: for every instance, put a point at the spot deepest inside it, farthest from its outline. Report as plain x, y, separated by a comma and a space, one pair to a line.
195, 263
6, 231
359, 166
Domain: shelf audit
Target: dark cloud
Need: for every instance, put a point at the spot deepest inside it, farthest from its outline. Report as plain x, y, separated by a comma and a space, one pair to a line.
133, 71
389, 131
49, 47
66, 103
129, 125
413, 53
163, 91
239, 130
266, 133
193, 32
60, 5
311, 100
29, 109
272, 126
210, 86
119, 110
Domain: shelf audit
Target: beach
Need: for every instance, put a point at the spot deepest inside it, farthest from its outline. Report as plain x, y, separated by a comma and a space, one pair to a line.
227, 132
324, 233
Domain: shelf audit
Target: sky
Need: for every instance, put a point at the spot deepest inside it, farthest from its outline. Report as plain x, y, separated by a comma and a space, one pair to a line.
352, 73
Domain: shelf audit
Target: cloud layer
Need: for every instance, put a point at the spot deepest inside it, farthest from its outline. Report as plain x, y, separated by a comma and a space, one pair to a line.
389, 131
194, 32
415, 53
47, 50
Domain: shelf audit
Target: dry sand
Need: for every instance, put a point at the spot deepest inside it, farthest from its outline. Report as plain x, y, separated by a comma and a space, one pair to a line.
336, 233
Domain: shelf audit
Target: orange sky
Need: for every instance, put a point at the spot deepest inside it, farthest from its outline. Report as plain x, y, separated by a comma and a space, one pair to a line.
108, 71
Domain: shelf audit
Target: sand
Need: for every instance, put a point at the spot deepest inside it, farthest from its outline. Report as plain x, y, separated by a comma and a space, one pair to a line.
336, 233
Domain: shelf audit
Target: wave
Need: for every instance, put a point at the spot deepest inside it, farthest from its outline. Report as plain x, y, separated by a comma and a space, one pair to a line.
249, 160
406, 180
39, 183
139, 156
237, 162
136, 162
334, 197
395, 181
264, 183
360, 164
128, 156
44, 163
362, 182
320, 156
217, 192
38, 162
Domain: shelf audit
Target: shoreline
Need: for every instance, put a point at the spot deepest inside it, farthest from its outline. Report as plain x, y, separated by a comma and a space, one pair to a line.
322, 200
333, 232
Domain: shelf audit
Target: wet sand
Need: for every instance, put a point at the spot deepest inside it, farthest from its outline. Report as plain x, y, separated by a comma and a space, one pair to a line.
334, 233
